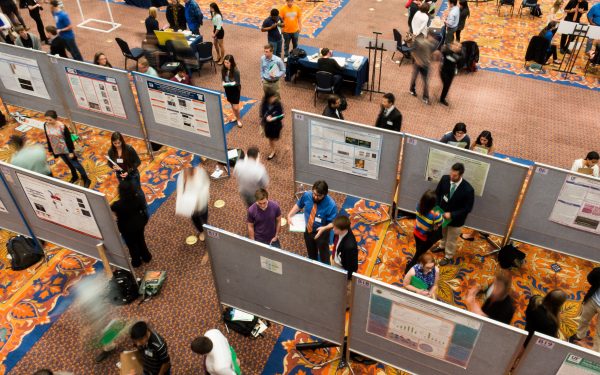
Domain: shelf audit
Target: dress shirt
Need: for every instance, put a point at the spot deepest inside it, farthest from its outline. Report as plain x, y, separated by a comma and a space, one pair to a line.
326, 210
267, 64
453, 17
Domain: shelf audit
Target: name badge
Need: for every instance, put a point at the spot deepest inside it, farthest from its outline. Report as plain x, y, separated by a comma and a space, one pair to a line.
148, 353
119, 160
390, 123
317, 219
445, 198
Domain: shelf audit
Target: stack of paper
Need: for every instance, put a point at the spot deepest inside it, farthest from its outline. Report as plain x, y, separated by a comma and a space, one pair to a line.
241, 316
298, 224
340, 60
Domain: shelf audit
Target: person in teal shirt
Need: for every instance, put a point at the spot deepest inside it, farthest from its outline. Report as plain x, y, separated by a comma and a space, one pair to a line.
32, 158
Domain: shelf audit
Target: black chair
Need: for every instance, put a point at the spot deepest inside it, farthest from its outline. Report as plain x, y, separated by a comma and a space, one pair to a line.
133, 54
537, 51
324, 84
204, 54
510, 3
527, 4
400, 47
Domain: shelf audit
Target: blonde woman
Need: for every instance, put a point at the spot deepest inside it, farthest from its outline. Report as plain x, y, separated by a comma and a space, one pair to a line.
152, 21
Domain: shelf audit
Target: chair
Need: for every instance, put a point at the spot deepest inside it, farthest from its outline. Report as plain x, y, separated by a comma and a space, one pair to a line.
527, 4
324, 84
537, 51
400, 47
204, 54
510, 3
133, 54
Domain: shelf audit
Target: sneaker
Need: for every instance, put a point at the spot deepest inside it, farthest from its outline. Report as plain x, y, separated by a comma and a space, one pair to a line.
444, 102
413, 92
556, 62
445, 262
426, 101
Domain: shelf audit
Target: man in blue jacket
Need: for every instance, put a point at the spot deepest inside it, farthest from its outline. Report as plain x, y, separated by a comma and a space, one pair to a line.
193, 16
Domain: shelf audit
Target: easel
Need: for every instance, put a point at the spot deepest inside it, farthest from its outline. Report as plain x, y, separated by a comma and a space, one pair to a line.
376, 50
579, 32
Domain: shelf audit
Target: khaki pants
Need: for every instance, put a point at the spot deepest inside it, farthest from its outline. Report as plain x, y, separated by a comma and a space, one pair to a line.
272, 86
588, 310
449, 238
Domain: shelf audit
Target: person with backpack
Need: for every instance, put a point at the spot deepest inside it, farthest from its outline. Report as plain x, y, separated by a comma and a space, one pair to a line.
220, 357
589, 309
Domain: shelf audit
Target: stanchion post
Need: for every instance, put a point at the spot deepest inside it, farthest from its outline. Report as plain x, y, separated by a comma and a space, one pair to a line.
105, 262
518, 205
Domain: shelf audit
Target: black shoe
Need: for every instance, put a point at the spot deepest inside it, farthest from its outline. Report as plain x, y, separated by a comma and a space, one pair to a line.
74, 179
136, 263
438, 250
426, 101
574, 339
466, 238
103, 355
147, 259
413, 92
444, 102
87, 183
445, 262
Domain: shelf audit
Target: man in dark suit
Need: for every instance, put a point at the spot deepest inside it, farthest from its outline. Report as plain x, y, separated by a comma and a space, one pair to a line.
390, 117
345, 249
327, 64
455, 196
333, 108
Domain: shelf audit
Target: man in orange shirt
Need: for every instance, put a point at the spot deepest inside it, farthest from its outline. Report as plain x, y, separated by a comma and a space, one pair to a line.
292, 24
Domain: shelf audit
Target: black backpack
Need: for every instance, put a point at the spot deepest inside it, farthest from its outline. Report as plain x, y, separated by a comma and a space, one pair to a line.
123, 289
509, 256
23, 252
241, 327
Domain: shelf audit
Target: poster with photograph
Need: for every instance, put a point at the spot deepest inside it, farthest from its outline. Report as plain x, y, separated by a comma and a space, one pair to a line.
439, 163
95, 92
178, 107
22, 75
346, 151
422, 327
65, 207
3, 207
578, 204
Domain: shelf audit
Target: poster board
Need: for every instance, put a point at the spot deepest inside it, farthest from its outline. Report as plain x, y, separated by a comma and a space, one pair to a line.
27, 80
547, 355
537, 221
181, 116
98, 96
278, 285
424, 336
354, 159
492, 211
10, 219
66, 214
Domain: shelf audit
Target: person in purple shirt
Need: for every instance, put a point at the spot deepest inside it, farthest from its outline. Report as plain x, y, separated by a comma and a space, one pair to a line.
264, 220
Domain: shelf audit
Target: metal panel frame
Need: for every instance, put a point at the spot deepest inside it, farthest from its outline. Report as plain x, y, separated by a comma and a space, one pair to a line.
381, 190
307, 296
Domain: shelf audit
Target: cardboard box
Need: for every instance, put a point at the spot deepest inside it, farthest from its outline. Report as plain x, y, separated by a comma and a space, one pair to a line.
131, 360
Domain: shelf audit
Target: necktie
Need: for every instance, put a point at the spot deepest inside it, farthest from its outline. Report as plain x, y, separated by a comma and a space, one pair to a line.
336, 239
452, 189
311, 218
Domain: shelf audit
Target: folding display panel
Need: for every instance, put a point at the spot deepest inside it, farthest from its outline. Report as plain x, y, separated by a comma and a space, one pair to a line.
10, 218
354, 159
424, 336
497, 182
278, 285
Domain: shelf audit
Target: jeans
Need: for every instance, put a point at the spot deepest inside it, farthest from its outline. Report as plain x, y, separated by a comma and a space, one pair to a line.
449, 35
286, 42
73, 49
75, 166
276, 44
318, 249
337, 83
424, 72
199, 219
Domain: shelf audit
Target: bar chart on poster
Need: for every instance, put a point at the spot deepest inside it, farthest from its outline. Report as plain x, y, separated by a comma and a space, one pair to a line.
578, 204
22, 75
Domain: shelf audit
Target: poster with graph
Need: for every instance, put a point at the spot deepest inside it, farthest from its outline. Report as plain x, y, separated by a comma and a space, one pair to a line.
422, 327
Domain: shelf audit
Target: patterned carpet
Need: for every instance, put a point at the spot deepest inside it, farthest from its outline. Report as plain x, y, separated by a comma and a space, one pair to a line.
252, 13
384, 251
503, 41
33, 298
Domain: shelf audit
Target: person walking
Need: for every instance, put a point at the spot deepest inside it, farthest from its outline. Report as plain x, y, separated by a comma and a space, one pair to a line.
131, 211
153, 349
65, 29
264, 219
421, 53
389, 117
230, 75
589, 309
292, 25
193, 16
271, 70
319, 212
192, 197
271, 25
124, 160
465, 13
219, 356
271, 112
34, 8
57, 44
31, 157
251, 175
60, 144
455, 196
218, 32
451, 55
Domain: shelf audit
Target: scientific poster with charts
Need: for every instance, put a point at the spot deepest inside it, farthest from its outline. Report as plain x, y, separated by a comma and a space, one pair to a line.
422, 327
68, 208
95, 92
3, 207
177, 107
578, 204
22, 75
439, 163
352, 152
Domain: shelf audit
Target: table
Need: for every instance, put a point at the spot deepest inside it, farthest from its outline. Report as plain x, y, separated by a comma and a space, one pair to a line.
147, 3
359, 76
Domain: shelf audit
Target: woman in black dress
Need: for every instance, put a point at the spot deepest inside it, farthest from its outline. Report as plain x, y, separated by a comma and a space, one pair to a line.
34, 9
124, 160
272, 114
231, 82
132, 216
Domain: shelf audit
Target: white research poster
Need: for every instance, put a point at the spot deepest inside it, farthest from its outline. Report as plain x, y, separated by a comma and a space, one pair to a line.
67, 208
96, 92
352, 152
578, 204
439, 163
178, 107
22, 75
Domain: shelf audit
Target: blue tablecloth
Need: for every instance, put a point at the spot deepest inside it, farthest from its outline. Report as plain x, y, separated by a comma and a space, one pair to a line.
147, 3
360, 75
